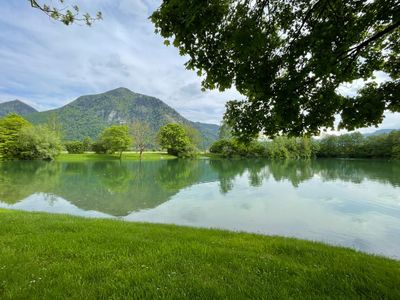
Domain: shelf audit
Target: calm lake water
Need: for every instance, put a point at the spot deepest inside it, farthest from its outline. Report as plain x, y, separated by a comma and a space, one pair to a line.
354, 203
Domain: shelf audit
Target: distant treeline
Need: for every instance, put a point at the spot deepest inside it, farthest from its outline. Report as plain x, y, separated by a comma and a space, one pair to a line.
355, 145
352, 145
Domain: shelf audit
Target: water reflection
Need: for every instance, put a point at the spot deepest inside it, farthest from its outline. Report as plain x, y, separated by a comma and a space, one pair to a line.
119, 188
110, 187
349, 202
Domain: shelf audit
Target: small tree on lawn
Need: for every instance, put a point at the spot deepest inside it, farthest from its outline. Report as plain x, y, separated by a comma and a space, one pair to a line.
116, 139
142, 135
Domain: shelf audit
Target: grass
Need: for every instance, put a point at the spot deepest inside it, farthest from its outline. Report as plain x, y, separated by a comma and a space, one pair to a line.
54, 257
89, 156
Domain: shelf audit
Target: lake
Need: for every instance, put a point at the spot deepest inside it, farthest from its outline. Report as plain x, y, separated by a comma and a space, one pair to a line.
354, 203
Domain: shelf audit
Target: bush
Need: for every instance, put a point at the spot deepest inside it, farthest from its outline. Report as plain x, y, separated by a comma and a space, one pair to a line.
37, 142
99, 148
219, 146
75, 147
233, 147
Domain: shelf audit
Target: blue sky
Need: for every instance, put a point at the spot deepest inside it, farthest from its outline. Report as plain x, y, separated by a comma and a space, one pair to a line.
47, 64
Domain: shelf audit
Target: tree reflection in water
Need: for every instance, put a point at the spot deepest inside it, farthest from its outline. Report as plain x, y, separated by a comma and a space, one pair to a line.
118, 188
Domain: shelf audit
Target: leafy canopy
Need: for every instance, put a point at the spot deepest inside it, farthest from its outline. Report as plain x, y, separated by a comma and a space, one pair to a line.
116, 138
288, 58
10, 129
174, 138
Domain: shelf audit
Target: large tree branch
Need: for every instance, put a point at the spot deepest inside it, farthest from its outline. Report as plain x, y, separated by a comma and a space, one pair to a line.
357, 49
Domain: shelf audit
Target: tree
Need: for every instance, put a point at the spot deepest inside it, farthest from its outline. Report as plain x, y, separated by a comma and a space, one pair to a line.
66, 15
288, 58
141, 135
87, 144
174, 138
37, 142
10, 128
194, 135
116, 139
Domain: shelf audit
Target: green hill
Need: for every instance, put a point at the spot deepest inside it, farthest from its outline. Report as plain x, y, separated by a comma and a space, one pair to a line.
88, 115
15, 106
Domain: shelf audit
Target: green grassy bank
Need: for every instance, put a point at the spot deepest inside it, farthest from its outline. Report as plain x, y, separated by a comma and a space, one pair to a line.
89, 156
47, 256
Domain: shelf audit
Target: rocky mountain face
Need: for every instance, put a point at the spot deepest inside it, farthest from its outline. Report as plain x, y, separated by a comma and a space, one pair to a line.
88, 115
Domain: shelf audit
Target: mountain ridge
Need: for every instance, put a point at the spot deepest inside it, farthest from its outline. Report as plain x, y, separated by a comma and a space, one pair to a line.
88, 115
380, 131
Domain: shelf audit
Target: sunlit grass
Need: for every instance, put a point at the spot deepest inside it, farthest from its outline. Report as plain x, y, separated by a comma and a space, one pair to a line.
45, 256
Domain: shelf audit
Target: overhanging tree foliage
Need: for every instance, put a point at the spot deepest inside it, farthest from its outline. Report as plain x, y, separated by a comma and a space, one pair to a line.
288, 57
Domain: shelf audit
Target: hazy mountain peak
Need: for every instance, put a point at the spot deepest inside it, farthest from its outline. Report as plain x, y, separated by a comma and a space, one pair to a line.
15, 106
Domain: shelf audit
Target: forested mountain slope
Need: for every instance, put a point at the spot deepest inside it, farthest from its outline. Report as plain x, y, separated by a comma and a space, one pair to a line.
88, 115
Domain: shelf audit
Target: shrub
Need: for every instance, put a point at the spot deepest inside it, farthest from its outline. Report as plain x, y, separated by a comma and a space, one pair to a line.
220, 145
37, 142
75, 147
233, 147
99, 148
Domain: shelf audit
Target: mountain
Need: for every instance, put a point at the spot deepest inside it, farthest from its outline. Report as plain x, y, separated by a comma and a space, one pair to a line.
88, 115
17, 107
378, 132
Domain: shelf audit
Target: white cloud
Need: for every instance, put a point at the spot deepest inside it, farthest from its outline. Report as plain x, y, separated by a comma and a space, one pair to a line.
134, 7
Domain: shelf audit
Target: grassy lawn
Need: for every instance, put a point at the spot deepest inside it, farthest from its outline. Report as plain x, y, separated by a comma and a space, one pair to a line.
125, 156
54, 256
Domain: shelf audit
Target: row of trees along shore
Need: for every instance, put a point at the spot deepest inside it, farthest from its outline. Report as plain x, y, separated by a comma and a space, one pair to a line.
352, 145
19, 139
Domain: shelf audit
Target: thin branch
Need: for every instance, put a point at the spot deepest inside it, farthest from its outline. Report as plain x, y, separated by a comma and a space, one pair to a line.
66, 18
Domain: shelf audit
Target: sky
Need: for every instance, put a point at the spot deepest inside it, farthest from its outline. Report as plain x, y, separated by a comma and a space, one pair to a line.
47, 64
